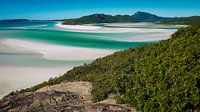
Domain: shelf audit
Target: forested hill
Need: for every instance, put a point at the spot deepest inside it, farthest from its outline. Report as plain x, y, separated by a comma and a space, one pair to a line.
157, 77
193, 20
148, 17
103, 18
137, 17
99, 18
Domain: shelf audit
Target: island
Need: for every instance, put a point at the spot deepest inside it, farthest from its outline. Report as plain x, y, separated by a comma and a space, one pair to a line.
137, 17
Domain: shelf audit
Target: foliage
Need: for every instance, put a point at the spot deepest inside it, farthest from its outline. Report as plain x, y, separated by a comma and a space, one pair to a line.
168, 79
102, 18
99, 18
193, 20
137, 17
156, 77
147, 17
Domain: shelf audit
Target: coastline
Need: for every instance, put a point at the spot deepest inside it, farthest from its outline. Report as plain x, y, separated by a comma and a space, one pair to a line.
58, 52
34, 75
96, 29
27, 76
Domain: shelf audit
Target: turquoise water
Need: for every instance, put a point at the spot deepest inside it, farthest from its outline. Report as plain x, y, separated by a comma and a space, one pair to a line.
25, 24
91, 40
35, 60
45, 32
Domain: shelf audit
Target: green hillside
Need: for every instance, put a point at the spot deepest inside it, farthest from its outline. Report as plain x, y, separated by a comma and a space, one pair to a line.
157, 77
148, 17
99, 18
137, 17
193, 20
103, 18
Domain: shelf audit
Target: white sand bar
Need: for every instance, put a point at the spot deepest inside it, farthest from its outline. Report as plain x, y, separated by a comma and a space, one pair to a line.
17, 78
58, 52
96, 29
78, 27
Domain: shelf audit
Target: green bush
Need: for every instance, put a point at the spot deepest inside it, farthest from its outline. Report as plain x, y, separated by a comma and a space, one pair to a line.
168, 79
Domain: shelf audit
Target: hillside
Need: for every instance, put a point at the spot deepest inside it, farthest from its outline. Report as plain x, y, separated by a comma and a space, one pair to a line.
99, 18
65, 97
147, 17
193, 20
102, 18
156, 77
137, 17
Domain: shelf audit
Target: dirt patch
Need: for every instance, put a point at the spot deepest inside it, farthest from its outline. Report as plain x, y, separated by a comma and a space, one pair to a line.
81, 88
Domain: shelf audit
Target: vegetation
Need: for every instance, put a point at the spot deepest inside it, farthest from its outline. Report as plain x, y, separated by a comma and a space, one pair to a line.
157, 77
193, 20
102, 18
147, 17
137, 17
99, 18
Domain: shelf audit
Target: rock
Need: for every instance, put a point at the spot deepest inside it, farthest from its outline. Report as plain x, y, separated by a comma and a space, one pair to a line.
65, 97
79, 87
103, 107
52, 101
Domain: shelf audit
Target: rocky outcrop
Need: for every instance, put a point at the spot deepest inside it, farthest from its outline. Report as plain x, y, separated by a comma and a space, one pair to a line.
52, 101
64, 97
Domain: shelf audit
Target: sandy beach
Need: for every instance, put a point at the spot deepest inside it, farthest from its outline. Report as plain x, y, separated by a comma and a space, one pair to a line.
20, 77
127, 24
139, 24
78, 27
144, 34
16, 78
95, 29
57, 52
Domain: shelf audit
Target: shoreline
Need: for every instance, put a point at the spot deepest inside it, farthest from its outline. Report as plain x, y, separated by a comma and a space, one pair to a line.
25, 77
97, 29
21, 77
58, 52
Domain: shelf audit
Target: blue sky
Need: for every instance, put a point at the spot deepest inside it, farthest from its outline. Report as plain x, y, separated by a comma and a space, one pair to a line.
60, 9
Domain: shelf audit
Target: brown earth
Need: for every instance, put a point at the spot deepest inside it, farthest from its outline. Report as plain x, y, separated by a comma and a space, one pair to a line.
64, 97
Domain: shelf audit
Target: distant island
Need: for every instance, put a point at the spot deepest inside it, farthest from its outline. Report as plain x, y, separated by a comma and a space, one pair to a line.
23, 20
14, 20
137, 17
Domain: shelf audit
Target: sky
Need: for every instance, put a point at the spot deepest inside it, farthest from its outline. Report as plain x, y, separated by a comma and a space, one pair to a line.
62, 9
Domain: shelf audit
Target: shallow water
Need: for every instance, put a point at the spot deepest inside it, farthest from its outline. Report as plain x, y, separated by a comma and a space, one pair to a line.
91, 40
